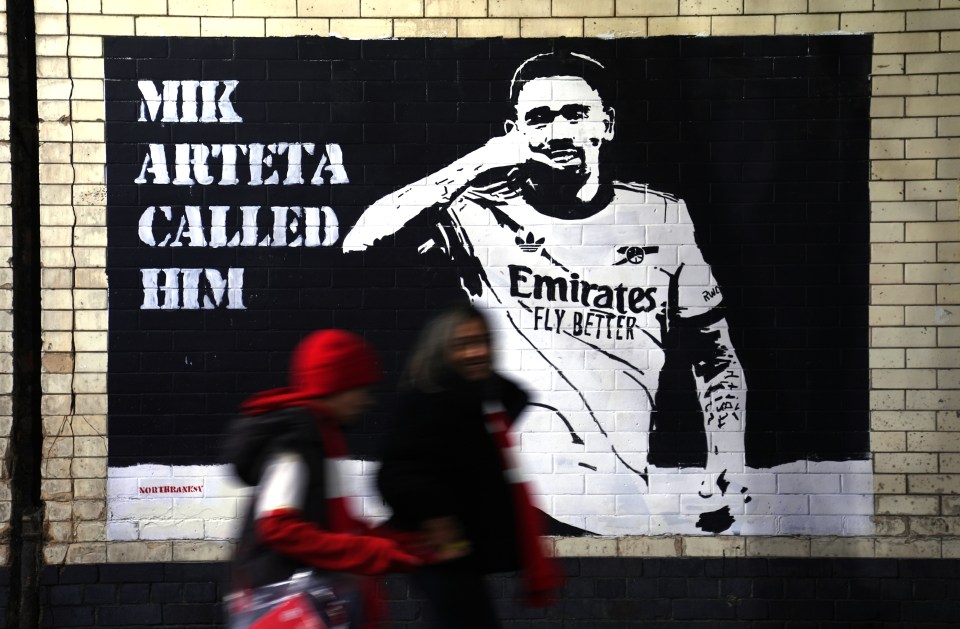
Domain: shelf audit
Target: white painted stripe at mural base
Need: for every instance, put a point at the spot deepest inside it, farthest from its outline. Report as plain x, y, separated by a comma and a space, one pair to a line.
162, 502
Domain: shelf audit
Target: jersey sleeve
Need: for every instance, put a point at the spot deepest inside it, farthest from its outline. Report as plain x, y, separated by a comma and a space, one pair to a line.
698, 291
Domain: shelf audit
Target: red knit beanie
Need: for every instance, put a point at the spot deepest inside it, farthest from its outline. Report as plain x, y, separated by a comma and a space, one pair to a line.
332, 361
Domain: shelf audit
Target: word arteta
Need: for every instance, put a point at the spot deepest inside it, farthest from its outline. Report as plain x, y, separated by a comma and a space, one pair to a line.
252, 164
223, 164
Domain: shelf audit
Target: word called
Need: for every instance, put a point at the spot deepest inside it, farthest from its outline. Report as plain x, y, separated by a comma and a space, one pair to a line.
245, 226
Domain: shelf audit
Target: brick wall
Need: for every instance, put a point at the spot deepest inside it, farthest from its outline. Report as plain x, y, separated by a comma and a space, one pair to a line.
716, 592
70, 104
6, 291
915, 394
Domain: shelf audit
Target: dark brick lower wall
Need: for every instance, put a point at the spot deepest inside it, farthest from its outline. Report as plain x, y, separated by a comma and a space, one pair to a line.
607, 593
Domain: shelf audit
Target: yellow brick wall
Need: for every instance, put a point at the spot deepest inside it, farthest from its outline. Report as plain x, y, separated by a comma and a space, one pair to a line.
914, 312
6, 292
73, 277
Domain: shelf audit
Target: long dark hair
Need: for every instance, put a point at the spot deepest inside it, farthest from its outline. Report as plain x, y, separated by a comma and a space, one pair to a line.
428, 367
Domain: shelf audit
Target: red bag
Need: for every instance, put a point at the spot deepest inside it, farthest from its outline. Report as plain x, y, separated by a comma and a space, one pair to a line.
306, 601
296, 612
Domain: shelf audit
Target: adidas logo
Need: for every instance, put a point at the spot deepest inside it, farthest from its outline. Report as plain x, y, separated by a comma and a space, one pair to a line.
529, 245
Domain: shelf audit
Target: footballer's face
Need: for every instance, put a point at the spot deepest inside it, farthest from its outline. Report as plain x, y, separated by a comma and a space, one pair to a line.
564, 122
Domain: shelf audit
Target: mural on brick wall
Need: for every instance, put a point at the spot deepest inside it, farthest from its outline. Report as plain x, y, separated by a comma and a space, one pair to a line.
670, 237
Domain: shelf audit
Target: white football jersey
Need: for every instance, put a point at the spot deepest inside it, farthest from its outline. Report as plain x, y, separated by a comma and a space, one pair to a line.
580, 311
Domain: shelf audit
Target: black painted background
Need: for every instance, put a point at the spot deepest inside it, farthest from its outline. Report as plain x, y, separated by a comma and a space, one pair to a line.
765, 137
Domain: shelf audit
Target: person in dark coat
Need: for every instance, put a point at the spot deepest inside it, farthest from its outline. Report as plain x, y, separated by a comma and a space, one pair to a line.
288, 445
447, 472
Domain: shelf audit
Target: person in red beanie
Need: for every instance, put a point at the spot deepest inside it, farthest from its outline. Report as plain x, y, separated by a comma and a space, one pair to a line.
299, 534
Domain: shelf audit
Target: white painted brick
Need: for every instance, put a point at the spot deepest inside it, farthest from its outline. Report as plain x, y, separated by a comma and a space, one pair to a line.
137, 509
615, 523
807, 483
858, 525
167, 529
841, 505
779, 505
761, 482
765, 525
539, 463
560, 484
206, 508
637, 504
672, 482
122, 531
577, 505
545, 442
811, 525
695, 505
222, 529
225, 487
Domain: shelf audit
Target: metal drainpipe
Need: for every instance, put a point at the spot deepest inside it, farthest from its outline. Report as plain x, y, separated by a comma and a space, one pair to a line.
26, 438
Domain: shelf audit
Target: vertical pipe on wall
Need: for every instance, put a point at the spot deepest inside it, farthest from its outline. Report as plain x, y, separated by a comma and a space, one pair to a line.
26, 434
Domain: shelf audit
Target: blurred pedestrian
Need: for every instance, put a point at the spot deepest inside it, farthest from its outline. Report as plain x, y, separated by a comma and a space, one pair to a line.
448, 472
302, 554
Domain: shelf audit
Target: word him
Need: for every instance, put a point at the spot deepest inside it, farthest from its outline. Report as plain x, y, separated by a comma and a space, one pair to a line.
191, 289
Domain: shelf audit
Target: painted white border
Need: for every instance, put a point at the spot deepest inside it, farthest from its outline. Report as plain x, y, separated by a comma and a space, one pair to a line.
802, 498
